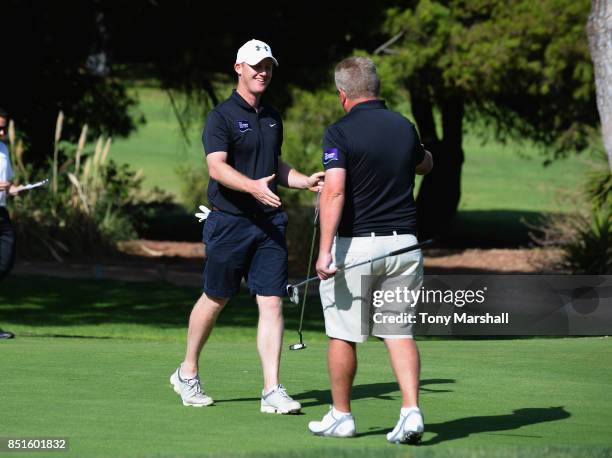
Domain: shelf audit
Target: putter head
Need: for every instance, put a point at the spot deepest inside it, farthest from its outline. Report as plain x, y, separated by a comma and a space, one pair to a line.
294, 294
297, 346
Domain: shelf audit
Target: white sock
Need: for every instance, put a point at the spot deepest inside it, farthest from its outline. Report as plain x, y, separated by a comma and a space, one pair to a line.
337, 414
407, 410
182, 375
270, 390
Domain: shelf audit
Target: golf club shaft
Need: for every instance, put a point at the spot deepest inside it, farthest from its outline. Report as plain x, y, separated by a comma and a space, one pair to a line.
314, 236
392, 253
312, 244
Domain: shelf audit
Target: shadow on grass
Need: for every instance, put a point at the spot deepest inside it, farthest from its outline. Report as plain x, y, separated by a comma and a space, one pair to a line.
464, 427
490, 229
471, 228
372, 390
46, 301
461, 428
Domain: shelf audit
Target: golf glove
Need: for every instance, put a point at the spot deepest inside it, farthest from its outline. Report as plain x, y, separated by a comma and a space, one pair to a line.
204, 213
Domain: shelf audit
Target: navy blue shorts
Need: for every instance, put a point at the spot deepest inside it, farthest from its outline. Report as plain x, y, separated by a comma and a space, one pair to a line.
250, 247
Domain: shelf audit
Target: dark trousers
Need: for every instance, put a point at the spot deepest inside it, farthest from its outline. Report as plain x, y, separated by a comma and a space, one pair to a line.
7, 243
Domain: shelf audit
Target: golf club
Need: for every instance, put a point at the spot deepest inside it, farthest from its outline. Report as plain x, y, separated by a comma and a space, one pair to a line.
294, 292
301, 345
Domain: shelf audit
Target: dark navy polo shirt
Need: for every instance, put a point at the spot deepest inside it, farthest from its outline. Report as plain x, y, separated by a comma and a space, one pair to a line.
380, 150
253, 143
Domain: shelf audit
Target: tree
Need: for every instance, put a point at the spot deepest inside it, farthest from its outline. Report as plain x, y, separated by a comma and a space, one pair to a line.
189, 44
54, 59
521, 66
600, 43
78, 55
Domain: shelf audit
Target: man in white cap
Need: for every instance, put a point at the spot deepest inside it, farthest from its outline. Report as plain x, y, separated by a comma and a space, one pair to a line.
245, 231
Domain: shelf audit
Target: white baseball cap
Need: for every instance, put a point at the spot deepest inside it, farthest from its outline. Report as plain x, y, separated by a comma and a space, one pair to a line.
253, 52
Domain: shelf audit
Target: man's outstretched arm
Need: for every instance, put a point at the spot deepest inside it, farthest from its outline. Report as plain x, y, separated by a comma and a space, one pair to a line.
220, 170
291, 178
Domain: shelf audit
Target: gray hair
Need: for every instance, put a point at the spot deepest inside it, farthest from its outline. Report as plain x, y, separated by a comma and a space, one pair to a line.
357, 77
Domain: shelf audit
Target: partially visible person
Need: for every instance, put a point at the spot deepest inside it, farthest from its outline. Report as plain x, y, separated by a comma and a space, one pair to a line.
7, 233
367, 209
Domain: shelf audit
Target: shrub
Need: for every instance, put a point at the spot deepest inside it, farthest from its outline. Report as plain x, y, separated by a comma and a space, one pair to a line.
585, 234
92, 201
590, 250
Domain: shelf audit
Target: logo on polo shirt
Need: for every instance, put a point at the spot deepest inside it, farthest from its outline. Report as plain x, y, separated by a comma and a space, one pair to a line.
330, 155
243, 126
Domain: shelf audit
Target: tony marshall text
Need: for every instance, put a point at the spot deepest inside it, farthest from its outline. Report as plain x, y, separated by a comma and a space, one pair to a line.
426, 318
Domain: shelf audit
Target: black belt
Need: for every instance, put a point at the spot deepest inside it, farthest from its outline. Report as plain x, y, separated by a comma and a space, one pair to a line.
376, 233
247, 215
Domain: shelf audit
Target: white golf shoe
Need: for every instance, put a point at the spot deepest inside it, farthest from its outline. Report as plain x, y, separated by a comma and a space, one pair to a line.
278, 401
409, 429
190, 390
334, 426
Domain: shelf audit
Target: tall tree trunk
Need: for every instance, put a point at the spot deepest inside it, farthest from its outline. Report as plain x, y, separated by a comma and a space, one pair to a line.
440, 190
599, 29
422, 110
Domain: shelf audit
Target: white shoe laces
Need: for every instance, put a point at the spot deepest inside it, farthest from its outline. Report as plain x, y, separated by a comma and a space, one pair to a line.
283, 392
194, 384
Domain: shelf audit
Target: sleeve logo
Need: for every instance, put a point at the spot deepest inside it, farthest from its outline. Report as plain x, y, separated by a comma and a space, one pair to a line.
330, 155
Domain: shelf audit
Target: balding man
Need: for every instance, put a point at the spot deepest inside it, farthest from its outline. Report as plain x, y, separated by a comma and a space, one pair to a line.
367, 209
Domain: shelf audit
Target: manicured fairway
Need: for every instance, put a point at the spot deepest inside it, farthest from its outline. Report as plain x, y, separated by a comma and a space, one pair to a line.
108, 390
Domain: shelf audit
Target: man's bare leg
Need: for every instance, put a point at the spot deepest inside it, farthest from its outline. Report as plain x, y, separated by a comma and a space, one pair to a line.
201, 321
404, 356
270, 338
270, 328
342, 363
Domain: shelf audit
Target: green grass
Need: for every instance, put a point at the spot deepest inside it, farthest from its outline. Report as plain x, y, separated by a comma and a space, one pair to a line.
158, 147
512, 177
495, 176
104, 384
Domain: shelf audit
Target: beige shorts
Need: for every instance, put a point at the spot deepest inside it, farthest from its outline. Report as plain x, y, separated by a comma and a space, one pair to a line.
346, 296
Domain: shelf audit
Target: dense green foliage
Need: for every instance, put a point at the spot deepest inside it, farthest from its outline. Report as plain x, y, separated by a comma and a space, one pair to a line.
522, 67
514, 70
91, 202
517, 70
76, 56
584, 233
524, 64
589, 251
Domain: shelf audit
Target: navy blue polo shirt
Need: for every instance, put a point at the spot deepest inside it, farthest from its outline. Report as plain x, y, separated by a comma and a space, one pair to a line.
252, 140
380, 150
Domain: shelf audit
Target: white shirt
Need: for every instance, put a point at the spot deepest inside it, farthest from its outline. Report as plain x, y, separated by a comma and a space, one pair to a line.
6, 170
